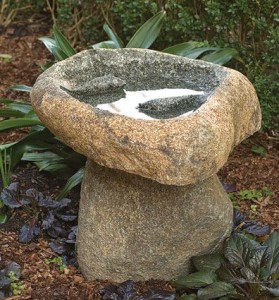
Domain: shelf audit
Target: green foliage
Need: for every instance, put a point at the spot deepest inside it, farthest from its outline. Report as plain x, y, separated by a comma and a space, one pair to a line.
146, 35
17, 286
245, 269
58, 261
39, 145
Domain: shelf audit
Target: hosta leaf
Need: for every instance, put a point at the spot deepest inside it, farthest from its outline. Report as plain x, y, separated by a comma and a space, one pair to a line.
207, 262
221, 57
273, 243
7, 113
183, 48
195, 53
18, 123
53, 48
113, 37
71, 183
238, 250
23, 107
261, 257
63, 43
11, 196
216, 289
148, 32
21, 88
196, 280
28, 232
105, 45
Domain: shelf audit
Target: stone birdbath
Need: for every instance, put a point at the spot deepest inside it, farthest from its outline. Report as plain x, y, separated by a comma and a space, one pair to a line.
155, 128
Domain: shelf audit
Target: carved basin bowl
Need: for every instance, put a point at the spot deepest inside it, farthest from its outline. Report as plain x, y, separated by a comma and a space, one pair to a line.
177, 145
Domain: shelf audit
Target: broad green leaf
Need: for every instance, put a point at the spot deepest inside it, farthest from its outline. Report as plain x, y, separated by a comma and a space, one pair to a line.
216, 289
63, 43
195, 280
226, 273
148, 32
59, 168
261, 257
238, 250
221, 57
195, 53
273, 243
7, 113
105, 45
113, 36
18, 123
207, 262
3, 218
71, 183
53, 48
21, 88
183, 48
248, 274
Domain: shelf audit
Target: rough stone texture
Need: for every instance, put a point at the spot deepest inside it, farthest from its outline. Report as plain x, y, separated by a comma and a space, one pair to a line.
133, 227
170, 151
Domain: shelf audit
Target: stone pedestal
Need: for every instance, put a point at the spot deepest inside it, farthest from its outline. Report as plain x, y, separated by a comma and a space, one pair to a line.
131, 227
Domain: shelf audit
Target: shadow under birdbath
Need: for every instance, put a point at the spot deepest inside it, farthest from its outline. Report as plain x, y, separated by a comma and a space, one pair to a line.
155, 128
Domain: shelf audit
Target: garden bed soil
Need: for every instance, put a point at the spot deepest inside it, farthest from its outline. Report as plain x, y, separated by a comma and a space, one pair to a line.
245, 170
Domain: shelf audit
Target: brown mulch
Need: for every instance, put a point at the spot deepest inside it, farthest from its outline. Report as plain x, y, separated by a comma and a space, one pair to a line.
245, 169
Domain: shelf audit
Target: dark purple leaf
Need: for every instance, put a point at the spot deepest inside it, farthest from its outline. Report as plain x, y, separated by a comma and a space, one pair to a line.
126, 290
109, 292
12, 267
238, 217
157, 295
48, 220
255, 228
56, 231
72, 235
65, 217
58, 247
11, 196
4, 282
229, 188
47, 202
33, 193
28, 232
63, 203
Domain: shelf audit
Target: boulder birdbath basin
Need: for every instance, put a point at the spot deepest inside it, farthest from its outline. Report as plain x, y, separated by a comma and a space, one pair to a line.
155, 128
